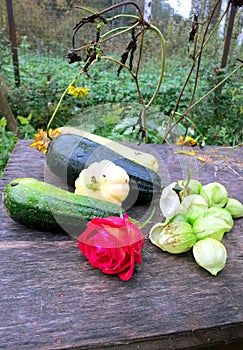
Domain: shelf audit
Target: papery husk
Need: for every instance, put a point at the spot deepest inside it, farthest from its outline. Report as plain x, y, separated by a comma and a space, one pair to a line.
210, 254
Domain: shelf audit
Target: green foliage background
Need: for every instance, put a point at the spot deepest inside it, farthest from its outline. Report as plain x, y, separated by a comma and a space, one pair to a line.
45, 73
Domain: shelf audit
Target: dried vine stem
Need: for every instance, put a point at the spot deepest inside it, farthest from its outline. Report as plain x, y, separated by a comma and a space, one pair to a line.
93, 48
204, 96
195, 56
100, 14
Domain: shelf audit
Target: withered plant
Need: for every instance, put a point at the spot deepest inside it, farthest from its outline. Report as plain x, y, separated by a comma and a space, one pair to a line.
105, 30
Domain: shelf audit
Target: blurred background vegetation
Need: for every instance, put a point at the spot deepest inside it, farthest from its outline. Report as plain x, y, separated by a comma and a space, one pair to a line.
44, 36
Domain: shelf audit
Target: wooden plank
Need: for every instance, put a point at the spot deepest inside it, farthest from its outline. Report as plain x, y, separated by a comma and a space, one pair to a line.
51, 298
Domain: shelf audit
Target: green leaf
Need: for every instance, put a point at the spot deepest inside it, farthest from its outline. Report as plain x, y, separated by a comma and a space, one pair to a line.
23, 120
3, 122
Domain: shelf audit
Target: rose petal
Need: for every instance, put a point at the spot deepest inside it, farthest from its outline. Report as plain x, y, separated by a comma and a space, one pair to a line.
126, 274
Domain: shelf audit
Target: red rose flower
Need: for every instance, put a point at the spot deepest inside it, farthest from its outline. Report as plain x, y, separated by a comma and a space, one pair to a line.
113, 245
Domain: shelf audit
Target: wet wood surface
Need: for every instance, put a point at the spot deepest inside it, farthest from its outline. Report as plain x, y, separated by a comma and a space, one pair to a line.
51, 297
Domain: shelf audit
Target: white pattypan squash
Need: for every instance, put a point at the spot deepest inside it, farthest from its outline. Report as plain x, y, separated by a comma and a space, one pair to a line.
103, 180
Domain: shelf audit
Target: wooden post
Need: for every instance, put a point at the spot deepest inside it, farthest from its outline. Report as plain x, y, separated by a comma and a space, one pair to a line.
6, 112
12, 32
228, 35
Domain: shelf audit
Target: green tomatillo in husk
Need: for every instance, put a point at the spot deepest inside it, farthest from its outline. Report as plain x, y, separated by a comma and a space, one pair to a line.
235, 208
220, 213
215, 194
193, 206
176, 237
210, 254
210, 226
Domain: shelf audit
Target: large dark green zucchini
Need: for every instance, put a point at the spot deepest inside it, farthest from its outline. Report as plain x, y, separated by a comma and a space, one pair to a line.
68, 154
42, 206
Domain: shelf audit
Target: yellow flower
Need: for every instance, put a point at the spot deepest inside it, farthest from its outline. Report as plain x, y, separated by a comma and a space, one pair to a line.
78, 92
41, 141
186, 140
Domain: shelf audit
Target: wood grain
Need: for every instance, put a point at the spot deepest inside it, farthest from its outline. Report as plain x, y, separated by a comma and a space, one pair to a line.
51, 298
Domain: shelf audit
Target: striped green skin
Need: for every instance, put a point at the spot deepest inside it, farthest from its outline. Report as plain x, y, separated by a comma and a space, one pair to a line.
43, 206
69, 154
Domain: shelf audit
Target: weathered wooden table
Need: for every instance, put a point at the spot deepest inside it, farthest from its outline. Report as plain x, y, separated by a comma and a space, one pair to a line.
51, 297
